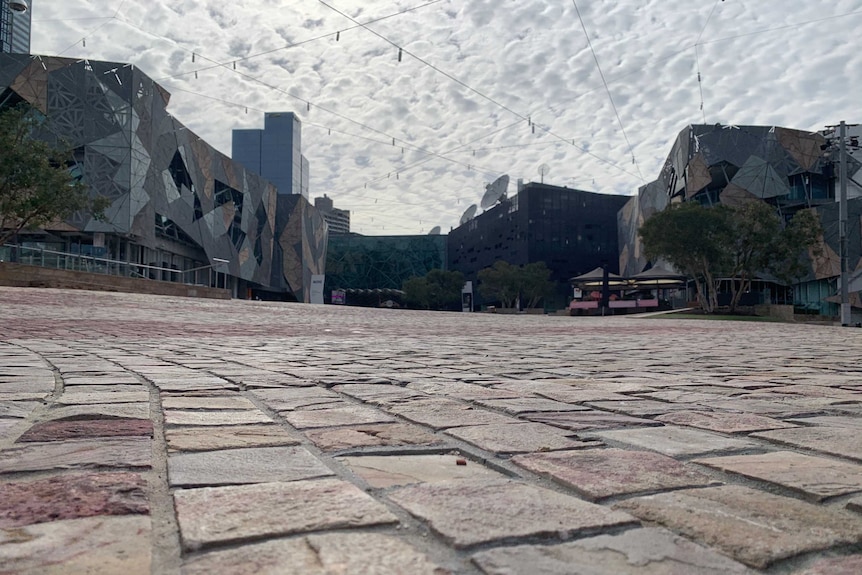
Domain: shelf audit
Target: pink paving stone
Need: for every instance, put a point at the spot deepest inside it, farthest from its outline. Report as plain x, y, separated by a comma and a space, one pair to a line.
599, 473
213, 515
386, 434
528, 404
79, 454
509, 438
444, 413
227, 437
849, 565
71, 496
337, 416
101, 545
752, 526
327, 554
588, 420
247, 465
840, 441
816, 477
57, 430
724, 422
470, 512
636, 552
677, 441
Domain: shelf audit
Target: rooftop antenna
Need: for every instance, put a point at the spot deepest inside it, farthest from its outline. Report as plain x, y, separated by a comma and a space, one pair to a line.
495, 192
468, 215
544, 169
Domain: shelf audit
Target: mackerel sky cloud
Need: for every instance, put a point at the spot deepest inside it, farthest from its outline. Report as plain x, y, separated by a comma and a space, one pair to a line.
482, 88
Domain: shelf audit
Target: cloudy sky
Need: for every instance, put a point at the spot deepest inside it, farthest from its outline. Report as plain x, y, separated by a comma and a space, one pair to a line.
595, 90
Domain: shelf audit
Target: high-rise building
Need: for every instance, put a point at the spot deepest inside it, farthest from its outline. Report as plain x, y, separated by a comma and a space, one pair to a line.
15, 18
275, 152
337, 220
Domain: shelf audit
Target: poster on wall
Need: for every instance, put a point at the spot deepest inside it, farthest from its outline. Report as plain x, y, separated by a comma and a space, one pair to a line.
316, 289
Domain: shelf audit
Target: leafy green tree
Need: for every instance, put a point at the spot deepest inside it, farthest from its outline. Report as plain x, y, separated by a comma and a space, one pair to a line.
438, 289
694, 240
535, 283
504, 282
36, 186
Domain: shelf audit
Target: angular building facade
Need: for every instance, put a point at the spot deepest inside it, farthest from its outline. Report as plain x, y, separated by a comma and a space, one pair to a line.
789, 169
176, 202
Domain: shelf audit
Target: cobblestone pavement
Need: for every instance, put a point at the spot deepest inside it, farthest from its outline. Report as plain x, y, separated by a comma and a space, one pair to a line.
145, 434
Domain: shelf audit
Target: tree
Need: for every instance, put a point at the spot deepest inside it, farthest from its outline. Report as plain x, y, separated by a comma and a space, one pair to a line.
36, 186
693, 239
504, 282
438, 289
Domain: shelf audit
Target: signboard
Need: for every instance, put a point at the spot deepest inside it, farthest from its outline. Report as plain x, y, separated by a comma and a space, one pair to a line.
467, 297
338, 296
317, 289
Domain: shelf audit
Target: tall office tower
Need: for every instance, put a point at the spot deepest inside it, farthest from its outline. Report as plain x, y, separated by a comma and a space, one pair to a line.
15, 26
275, 152
337, 220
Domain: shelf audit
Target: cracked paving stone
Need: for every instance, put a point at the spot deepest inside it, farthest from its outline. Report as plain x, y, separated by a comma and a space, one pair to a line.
647, 551
218, 417
93, 545
60, 429
386, 434
676, 441
204, 438
508, 438
840, 441
443, 413
381, 471
336, 416
754, 527
71, 496
327, 554
816, 477
249, 465
470, 512
79, 454
211, 515
724, 422
600, 473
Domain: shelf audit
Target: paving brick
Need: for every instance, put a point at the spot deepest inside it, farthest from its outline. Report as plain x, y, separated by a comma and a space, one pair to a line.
442, 414
635, 552
508, 438
80, 454
724, 422
17, 409
93, 545
330, 554
639, 407
249, 465
529, 404
205, 438
78, 398
754, 527
334, 417
676, 441
71, 496
213, 515
56, 430
139, 410
600, 473
840, 441
816, 477
219, 417
388, 470
208, 403
385, 434
469, 512
849, 565
588, 420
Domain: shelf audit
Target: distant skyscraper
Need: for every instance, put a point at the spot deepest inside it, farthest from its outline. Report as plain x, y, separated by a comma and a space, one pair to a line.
275, 152
15, 26
337, 220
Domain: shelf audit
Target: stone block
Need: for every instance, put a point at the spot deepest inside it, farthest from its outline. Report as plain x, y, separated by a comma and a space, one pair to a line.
588, 420
840, 441
334, 417
203, 438
206, 403
443, 413
508, 438
385, 434
724, 422
388, 470
676, 441
80, 454
249, 465
58, 430
219, 417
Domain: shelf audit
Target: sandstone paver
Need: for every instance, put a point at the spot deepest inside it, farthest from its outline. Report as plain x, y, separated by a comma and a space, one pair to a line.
600, 473
171, 402
80, 454
850, 565
816, 477
443, 413
217, 417
855, 504
636, 552
676, 441
387, 470
56, 430
508, 438
249, 465
520, 405
724, 422
138, 410
589, 420
89, 398
103, 545
212, 515
840, 441
335, 416
752, 526
385, 434
470, 512
207, 438
331, 554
